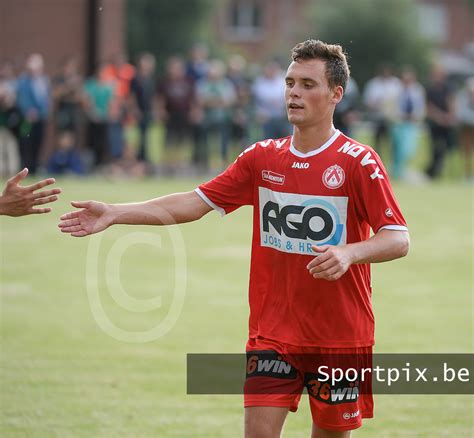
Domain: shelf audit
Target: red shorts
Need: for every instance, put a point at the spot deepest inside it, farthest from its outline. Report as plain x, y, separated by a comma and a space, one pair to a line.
339, 398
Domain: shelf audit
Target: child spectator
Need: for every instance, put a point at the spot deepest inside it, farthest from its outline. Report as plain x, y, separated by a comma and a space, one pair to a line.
66, 158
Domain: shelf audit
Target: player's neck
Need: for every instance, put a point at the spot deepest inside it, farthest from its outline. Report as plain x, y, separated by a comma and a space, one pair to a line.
308, 139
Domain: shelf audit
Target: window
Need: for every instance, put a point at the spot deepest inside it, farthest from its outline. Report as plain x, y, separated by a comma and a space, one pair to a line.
245, 19
433, 22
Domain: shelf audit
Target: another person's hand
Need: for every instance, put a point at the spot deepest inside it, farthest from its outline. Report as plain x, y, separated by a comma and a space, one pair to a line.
92, 218
331, 263
20, 201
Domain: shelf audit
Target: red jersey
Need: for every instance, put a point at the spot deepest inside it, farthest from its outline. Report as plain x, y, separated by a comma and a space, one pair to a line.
330, 196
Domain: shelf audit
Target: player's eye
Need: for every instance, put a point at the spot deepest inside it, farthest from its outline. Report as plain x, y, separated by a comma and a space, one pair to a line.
289, 84
308, 85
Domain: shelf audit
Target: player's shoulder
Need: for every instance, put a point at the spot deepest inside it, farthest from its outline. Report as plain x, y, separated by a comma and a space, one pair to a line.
361, 158
275, 143
269, 145
354, 148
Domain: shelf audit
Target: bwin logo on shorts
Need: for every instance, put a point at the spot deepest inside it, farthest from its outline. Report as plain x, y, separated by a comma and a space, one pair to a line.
292, 222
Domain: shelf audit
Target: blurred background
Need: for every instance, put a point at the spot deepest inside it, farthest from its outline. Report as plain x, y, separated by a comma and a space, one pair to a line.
152, 87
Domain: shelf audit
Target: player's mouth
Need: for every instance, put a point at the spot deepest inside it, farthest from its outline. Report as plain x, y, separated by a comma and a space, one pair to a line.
294, 106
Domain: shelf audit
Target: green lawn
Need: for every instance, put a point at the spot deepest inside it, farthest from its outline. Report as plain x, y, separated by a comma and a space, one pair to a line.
62, 375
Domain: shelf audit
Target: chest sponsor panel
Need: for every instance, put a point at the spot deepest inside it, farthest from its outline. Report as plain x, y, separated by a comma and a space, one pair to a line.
292, 223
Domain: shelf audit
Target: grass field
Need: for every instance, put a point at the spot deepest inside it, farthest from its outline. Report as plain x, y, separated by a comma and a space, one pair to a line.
63, 376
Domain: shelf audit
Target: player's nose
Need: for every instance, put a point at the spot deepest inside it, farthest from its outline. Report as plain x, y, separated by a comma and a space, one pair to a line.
294, 91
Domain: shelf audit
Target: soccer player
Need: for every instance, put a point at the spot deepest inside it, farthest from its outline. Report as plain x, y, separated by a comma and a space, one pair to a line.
315, 196
16, 200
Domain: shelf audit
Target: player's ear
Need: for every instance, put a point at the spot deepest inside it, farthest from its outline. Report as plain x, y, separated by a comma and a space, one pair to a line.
337, 94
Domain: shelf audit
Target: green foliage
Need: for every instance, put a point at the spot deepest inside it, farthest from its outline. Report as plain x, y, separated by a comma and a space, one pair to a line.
164, 27
373, 32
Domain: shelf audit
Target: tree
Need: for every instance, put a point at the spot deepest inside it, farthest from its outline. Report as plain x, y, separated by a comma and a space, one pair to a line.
164, 27
373, 32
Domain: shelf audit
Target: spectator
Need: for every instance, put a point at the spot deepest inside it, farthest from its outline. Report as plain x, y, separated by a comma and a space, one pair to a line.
441, 119
411, 109
465, 117
346, 110
10, 119
176, 101
67, 93
118, 74
198, 63
34, 102
142, 94
98, 96
66, 159
269, 94
242, 109
7, 76
216, 95
380, 97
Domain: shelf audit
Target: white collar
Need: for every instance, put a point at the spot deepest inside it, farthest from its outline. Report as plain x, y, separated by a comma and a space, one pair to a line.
299, 154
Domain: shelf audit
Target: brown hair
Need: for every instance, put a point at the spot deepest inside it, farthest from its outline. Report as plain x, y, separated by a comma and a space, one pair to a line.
337, 68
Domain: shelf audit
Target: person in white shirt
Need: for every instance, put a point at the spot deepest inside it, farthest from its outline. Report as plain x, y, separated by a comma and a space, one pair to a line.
380, 97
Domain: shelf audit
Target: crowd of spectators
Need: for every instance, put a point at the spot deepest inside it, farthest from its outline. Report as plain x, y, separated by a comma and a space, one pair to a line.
206, 104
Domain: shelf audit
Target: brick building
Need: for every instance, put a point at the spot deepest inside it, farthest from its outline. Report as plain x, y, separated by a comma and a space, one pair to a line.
91, 30
259, 28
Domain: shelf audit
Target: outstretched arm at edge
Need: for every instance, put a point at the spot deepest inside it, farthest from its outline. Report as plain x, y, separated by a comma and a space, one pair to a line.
17, 200
96, 216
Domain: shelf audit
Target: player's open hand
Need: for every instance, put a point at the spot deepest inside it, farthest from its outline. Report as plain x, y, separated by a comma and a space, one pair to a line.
331, 263
92, 218
20, 201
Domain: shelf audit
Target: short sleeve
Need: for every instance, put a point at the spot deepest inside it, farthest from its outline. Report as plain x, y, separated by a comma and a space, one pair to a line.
234, 187
373, 195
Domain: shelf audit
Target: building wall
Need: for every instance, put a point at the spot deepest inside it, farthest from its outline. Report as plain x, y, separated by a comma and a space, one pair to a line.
283, 24
58, 28
452, 26
448, 23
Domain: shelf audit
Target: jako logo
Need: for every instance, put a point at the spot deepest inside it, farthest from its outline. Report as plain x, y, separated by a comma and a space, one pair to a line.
348, 416
293, 222
297, 165
273, 177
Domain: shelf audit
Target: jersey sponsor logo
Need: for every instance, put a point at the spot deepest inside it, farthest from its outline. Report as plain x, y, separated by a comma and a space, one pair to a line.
292, 222
299, 165
334, 177
273, 177
341, 392
269, 364
355, 150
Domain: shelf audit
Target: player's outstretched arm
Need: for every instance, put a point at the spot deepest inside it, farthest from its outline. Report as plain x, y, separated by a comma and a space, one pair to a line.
334, 261
94, 216
17, 200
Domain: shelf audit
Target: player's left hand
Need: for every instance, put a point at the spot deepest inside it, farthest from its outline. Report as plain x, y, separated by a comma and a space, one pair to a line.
331, 263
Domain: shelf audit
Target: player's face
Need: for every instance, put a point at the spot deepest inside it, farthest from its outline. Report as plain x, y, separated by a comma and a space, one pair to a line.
309, 99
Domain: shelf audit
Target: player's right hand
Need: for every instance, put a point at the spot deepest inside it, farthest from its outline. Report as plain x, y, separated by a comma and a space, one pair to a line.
92, 218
